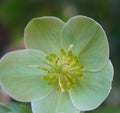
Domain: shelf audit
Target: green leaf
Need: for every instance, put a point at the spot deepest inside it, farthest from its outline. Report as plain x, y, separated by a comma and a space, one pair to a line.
19, 108
4, 108
92, 89
56, 102
43, 34
14, 108
89, 42
107, 109
19, 80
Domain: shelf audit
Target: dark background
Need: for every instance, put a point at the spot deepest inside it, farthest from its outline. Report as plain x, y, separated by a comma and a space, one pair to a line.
15, 14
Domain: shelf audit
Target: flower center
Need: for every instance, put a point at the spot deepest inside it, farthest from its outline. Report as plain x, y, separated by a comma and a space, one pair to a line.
62, 70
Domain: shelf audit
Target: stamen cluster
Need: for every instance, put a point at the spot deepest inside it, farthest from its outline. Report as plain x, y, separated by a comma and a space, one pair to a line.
62, 71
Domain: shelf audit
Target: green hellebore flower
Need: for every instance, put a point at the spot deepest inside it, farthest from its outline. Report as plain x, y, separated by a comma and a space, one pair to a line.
65, 67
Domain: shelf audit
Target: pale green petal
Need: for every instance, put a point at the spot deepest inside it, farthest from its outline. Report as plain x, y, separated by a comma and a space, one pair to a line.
56, 102
19, 80
89, 42
92, 89
44, 34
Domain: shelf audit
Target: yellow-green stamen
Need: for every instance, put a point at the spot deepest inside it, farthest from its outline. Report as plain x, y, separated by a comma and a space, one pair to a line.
62, 71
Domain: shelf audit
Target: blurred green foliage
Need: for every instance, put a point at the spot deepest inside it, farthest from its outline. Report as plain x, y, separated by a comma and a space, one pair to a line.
14, 108
106, 109
4, 109
15, 14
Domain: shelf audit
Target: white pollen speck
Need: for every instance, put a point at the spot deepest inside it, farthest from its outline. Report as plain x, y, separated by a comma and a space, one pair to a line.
70, 47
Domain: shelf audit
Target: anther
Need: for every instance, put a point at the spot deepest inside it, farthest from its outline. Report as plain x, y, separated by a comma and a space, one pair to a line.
56, 62
70, 53
82, 67
53, 81
46, 77
73, 82
58, 88
63, 52
53, 55
44, 68
80, 75
76, 59
50, 59
68, 85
